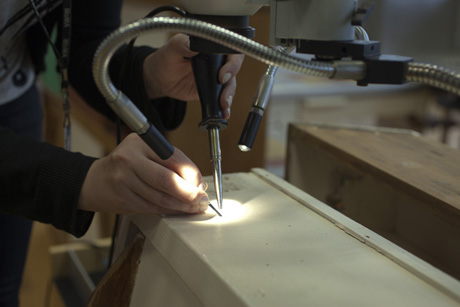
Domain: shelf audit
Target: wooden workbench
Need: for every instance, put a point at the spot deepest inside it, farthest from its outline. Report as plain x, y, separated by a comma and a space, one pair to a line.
274, 246
395, 182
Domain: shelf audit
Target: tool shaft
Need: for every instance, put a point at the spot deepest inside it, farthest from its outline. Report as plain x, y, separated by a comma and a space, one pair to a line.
214, 144
206, 68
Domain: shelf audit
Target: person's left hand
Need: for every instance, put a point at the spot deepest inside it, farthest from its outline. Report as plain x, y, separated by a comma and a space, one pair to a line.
168, 72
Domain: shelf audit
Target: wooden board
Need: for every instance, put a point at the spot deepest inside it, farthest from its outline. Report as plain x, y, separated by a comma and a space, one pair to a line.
393, 181
425, 171
278, 246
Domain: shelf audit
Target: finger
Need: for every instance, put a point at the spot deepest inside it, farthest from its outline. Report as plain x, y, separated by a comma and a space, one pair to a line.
162, 201
136, 203
139, 204
163, 179
180, 44
182, 166
185, 168
226, 97
119, 191
178, 170
176, 176
231, 67
140, 197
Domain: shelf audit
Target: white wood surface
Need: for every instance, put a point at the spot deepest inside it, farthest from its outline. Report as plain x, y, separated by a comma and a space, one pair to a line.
278, 247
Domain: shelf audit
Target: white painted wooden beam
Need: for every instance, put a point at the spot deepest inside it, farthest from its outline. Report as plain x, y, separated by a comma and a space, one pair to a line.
278, 246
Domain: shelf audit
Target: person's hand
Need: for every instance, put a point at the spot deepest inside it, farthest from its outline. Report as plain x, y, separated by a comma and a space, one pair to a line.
133, 179
168, 72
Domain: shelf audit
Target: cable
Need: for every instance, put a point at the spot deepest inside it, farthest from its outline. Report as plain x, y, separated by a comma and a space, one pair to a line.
62, 59
48, 37
63, 63
361, 34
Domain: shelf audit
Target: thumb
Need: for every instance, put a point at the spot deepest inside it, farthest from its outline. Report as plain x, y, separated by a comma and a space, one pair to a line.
180, 44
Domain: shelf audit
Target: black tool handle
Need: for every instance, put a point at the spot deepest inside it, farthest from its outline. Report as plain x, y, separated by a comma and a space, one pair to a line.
158, 143
206, 68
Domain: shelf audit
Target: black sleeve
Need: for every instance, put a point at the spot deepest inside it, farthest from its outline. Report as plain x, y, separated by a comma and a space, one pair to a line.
89, 28
42, 182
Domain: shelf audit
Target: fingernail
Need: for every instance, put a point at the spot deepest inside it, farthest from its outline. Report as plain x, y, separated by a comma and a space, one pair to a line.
203, 185
227, 77
204, 202
229, 100
204, 207
228, 113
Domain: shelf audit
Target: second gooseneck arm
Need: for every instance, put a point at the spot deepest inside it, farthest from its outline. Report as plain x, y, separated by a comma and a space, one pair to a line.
355, 70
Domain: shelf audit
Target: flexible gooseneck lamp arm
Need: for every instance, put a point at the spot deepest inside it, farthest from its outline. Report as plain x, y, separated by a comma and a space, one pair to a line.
428, 74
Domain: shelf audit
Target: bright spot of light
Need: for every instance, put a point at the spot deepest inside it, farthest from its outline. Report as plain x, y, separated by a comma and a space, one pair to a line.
232, 210
188, 173
244, 148
185, 180
183, 185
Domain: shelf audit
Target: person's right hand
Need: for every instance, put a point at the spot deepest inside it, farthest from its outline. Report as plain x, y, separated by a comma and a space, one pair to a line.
133, 179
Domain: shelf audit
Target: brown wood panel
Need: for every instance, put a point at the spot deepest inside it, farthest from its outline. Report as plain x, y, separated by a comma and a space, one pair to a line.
425, 171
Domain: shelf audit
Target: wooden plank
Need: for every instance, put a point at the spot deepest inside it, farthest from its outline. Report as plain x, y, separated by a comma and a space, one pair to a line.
269, 249
425, 171
369, 199
410, 262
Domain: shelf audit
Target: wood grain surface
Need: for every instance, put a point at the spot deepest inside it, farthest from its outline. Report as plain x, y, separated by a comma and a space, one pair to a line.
423, 170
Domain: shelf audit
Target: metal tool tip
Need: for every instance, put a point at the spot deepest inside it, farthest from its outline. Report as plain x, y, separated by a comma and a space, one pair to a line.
212, 207
219, 202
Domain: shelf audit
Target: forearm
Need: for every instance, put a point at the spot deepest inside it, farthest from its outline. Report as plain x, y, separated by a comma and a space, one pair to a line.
41, 182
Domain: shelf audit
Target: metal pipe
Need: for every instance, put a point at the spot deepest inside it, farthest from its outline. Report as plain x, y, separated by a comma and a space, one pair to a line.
425, 73
435, 76
354, 69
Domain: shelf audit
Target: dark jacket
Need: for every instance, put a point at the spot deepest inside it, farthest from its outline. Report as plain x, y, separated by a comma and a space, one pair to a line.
42, 182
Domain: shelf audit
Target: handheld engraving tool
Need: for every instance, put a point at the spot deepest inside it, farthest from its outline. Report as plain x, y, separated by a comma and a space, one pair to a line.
206, 70
206, 66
